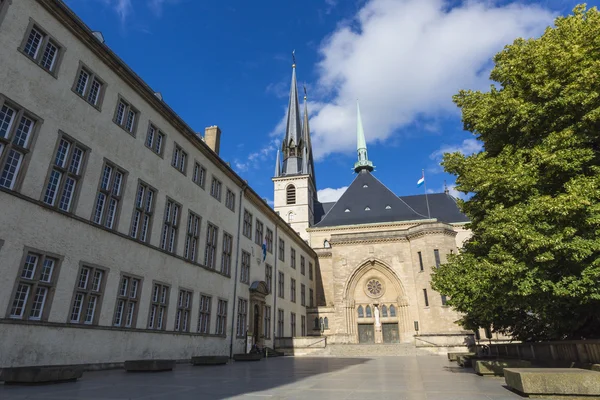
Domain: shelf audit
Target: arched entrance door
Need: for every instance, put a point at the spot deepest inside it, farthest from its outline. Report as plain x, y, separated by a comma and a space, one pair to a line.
258, 293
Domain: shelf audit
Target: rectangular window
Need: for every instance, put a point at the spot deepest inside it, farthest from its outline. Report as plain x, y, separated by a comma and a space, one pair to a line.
230, 200
241, 318
210, 251
302, 294
126, 116
108, 199
192, 237
179, 159
141, 222
168, 240
89, 86
425, 298
293, 258
245, 273
34, 287
128, 297
302, 265
269, 277
199, 175
310, 295
204, 314
66, 171
215, 188
269, 239
221, 317
184, 311
17, 129
420, 261
292, 290
155, 139
281, 285
267, 323
158, 307
310, 271
87, 298
293, 324
303, 327
444, 300
281, 250
258, 233
41, 48
280, 323
226, 257
436, 254
247, 227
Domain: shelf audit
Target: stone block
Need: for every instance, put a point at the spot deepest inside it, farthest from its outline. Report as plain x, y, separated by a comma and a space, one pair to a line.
149, 365
247, 357
553, 381
454, 356
44, 374
209, 360
496, 367
467, 361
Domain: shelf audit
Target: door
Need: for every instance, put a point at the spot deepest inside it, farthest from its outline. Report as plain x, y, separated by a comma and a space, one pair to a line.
255, 331
366, 333
390, 333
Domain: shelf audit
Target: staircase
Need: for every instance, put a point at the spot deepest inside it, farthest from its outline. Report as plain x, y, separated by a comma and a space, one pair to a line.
372, 350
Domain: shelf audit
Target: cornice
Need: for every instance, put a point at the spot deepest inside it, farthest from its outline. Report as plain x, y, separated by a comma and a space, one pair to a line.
397, 236
397, 224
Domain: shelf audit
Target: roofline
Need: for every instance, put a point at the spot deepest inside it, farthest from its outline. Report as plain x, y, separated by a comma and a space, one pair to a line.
373, 225
59, 10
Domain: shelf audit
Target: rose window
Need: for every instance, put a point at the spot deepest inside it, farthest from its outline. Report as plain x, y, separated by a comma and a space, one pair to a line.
374, 287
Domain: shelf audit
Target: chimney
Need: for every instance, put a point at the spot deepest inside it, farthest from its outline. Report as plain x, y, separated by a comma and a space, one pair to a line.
212, 137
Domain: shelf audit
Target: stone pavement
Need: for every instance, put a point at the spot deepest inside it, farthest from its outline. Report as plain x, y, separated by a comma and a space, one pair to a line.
398, 378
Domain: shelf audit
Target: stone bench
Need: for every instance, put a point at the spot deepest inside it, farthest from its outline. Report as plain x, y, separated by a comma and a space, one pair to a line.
149, 365
44, 374
454, 356
247, 357
468, 361
553, 381
496, 367
209, 360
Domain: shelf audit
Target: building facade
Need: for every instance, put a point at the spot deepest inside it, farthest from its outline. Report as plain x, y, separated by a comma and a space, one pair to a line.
123, 234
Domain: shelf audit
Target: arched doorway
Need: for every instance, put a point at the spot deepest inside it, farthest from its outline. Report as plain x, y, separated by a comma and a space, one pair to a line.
256, 324
258, 293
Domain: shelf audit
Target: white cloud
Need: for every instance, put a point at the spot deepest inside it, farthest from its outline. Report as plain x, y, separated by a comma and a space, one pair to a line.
258, 158
451, 190
329, 194
123, 8
467, 147
405, 59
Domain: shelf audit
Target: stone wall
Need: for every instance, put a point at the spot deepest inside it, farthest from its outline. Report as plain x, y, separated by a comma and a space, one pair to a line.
577, 351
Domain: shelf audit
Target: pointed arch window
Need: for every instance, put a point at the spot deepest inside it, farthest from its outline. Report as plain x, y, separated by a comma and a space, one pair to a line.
316, 323
326, 322
369, 314
361, 313
392, 311
321, 323
290, 193
384, 311
291, 217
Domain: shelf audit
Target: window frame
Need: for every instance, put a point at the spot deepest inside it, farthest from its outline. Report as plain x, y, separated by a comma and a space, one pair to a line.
421, 267
143, 212
212, 246
91, 77
269, 277
109, 195
290, 194
230, 199
127, 300
216, 193
292, 257
280, 322
267, 321
180, 162
159, 304
199, 175
245, 268
128, 107
204, 314
222, 305
242, 318
183, 307
259, 235
303, 294
425, 298
436, 256
310, 271
88, 294
302, 265
46, 38
292, 290
247, 224
311, 296
169, 236
281, 249
281, 284
303, 325
157, 133
226, 254
195, 222
269, 239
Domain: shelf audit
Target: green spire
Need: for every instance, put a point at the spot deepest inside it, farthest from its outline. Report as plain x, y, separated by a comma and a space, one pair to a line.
361, 146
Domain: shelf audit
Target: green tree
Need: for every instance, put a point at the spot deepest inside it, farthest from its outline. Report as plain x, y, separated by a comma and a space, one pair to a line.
532, 266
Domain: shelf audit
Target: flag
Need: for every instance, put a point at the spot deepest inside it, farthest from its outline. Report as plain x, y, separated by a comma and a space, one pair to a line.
264, 249
421, 181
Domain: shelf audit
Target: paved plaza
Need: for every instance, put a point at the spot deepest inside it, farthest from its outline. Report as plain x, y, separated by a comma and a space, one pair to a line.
398, 378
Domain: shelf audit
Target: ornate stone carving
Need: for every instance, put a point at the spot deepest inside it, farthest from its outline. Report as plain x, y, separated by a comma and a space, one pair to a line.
374, 288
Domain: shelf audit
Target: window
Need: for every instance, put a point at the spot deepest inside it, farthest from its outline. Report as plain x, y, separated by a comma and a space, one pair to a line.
281, 285
444, 300
302, 294
420, 261
184, 311
221, 317
368, 312
292, 290
269, 277
210, 251
158, 307
199, 175
192, 237
326, 321
280, 323
127, 301
436, 254
89, 86
290, 194
87, 298
361, 313
247, 227
316, 326
310, 271
302, 265
384, 312
179, 159
281, 250
65, 174
310, 295
155, 139
141, 221
258, 234
241, 318
108, 200
245, 273
293, 324
230, 200
303, 325
204, 314
17, 129
41, 48
293, 258
226, 258
267, 323
33, 294
126, 116
168, 240
215, 188
425, 298
392, 311
269, 239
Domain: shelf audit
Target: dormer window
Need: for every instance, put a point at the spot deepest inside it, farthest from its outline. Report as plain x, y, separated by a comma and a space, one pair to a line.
388, 207
367, 208
365, 185
347, 210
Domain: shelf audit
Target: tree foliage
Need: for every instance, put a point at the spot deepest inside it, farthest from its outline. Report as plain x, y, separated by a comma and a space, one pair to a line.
532, 266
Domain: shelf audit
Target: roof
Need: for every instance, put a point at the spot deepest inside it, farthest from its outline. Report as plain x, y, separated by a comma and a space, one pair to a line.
442, 206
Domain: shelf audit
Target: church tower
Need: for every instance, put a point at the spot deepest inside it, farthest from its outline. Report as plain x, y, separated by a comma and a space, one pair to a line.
295, 188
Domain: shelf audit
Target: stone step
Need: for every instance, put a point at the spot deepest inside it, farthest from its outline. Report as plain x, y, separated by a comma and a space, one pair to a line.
372, 350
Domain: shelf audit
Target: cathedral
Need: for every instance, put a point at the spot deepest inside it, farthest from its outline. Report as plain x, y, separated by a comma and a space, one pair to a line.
376, 250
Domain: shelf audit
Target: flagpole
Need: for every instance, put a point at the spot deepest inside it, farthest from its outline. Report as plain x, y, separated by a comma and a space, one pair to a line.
426, 199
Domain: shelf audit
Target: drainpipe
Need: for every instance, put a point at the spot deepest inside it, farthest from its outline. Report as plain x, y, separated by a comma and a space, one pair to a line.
275, 283
237, 257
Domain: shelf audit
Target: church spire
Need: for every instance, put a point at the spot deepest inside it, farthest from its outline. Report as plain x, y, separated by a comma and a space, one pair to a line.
292, 144
310, 165
361, 146
277, 165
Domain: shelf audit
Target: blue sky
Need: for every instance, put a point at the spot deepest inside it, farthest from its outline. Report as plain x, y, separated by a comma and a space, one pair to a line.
228, 63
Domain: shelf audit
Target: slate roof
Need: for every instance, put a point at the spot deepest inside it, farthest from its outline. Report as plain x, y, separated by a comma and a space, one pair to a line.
441, 205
